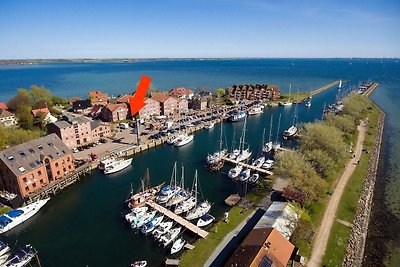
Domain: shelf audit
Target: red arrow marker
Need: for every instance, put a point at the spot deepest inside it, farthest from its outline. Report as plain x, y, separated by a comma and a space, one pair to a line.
137, 101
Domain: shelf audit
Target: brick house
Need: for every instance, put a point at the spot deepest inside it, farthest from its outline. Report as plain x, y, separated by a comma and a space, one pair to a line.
199, 103
7, 118
114, 112
168, 104
183, 105
254, 92
82, 106
151, 108
98, 98
100, 130
181, 92
26, 168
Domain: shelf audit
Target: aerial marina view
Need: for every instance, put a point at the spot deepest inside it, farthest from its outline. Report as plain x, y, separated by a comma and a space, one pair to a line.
133, 147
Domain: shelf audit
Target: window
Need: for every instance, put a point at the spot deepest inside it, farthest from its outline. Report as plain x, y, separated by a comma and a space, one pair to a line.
39, 173
21, 169
56, 164
26, 188
22, 153
58, 172
31, 150
50, 143
34, 185
24, 179
40, 147
41, 181
68, 159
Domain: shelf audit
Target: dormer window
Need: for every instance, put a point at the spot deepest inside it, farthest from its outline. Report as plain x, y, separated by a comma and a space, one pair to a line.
50, 143
40, 147
31, 150
10, 158
22, 153
21, 169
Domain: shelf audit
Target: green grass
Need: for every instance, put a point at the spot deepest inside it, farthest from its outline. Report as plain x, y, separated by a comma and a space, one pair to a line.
205, 247
4, 209
339, 236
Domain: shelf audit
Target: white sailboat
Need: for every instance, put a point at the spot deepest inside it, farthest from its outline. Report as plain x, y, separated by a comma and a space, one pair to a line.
205, 220
135, 214
117, 165
170, 236
245, 153
268, 164
340, 84
162, 229
234, 172
288, 102
254, 178
244, 175
215, 160
292, 130
258, 162
167, 192
269, 145
276, 145
182, 194
189, 203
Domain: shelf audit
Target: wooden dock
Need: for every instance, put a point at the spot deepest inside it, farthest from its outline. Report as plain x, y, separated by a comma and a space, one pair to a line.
251, 167
185, 223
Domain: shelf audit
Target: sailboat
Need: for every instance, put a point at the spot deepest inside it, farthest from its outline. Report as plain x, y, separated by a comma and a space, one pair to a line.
189, 203
244, 153
200, 209
234, 172
340, 84
235, 152
288, 102
308, 103
276, 145
167, 192
292, 129
268, 146
215, 161
182, 194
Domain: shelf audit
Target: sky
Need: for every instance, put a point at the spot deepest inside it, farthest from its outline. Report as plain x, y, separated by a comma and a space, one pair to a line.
199, 28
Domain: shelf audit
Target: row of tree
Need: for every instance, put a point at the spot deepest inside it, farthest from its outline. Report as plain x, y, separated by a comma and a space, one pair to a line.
324, 147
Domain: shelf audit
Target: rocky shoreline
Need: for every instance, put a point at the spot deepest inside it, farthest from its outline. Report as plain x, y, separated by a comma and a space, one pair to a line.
358, 236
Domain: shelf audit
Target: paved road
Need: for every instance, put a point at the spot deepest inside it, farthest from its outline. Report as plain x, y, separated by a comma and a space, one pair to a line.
322, 237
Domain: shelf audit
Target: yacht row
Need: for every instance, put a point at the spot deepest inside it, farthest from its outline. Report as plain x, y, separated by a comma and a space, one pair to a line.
21, 257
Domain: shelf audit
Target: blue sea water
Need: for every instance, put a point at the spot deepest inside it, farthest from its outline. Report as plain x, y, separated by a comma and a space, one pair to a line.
83, 224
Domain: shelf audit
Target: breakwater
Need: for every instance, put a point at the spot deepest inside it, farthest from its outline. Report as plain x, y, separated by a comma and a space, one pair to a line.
358, 236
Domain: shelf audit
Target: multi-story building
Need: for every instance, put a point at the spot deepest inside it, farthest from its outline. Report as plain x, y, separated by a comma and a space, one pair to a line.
151, 108
114, 112
181, 92
28, 167
7, 118
183, 105
199, 103
254, 92
168, 104
98, 98
82, 106
100, 130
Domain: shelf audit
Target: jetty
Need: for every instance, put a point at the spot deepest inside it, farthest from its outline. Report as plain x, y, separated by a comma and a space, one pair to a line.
323, 88
251, 167
185, 223
370, 89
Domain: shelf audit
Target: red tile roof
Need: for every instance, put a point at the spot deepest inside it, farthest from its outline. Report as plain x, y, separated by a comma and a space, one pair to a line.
124, 99
73, 99
98, 96
180, 91
4, 113
3, 105
113, 107
35, 112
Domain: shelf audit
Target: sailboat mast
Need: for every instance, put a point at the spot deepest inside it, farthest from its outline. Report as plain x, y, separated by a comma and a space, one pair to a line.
195, 186
220, 139
279, 124
243, 137
183, 178
270, 129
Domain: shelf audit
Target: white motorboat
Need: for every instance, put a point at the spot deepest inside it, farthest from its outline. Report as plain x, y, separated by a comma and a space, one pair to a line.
199, 211
162, 229
172, 139
167, 192
178, 245
135, 214
105, 163
268, 164
254, 178
340, 84
258, 162
117, 165
238, 116
15, 217
209, 126
138, 222
244, 175
20, 258
205, 220
151, 225
184, 140
255, 110
308, 104
290, 132
244, 155
234, 172
139, 264
170, 236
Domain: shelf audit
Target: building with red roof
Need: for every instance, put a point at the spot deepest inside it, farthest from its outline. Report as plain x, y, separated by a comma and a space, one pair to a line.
181, 92
3, 106
98, 98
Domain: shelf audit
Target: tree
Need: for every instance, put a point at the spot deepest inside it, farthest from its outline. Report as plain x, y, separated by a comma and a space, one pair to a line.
354, 105
25, 118
3, 138
220, 92
20, 100
321, 161
39, 93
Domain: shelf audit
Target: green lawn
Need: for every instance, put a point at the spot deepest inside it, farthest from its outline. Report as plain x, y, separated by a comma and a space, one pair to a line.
204, 247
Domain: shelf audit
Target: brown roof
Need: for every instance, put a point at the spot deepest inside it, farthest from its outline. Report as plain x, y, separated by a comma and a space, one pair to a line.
160, 97
3, 105
73, 99
113, 107
4, 113
180, 91
35, 112
98, 96
259, 244
124, 99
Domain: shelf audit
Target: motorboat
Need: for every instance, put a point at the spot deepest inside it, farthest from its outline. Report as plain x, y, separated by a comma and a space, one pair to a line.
238, 116
151, 225
234, 172
139, 264
308, 104
244, 175
177, 245
184, 140
255, 110
268, 164
20, 258
4, 248
105, 163
170, 236
290, 132
17, 216
162, 229
117, 165
209, 126
138, 222
135, 213
172, 139
205, 220
254, 178
244, 155
258, 162
199, 211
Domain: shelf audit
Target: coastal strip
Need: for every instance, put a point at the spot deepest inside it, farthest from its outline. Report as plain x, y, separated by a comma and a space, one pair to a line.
358, 236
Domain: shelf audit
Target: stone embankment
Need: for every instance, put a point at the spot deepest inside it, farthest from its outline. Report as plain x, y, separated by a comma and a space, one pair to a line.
358, 236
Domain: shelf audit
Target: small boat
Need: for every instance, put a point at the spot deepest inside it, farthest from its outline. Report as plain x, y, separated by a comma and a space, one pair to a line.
199, 211
170, 236
290, 132
105, 163
117, 165
20, 258
139, 264
150, 226
235, 153
244, 175
268, 164
4, 248
254, 177
172, 139
255, 110
137, 223
308, 104
185, 206
340, 84
209, 126
178, 245
288, 102
15, 217
237, 116
244, 155
267, 147
234, 172
167, 192
162, 229
205, 220
135, 213
277, 145
180, 195
215, 161
184, 140
258, 162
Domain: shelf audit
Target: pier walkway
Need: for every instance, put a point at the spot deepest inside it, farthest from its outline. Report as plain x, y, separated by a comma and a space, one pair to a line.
251, 167
185, 223
323, 88
371, 89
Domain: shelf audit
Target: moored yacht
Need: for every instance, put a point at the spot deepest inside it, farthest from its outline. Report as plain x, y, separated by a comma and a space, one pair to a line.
255, 110
244, 175
117, 165
258, 162
15, 217
290, 132
21, 258
151, 225
170, 236
139, 264
162, 229
199, 211
135, 214
234, 172
267, 147
183, 140
139, 221
238, 116
268, 164
178, 245
254, 177
205, 220
209, 126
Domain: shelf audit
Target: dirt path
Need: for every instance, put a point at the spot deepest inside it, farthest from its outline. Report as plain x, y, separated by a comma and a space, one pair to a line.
322, 236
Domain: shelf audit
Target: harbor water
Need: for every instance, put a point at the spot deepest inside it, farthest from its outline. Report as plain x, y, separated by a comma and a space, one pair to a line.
83, 225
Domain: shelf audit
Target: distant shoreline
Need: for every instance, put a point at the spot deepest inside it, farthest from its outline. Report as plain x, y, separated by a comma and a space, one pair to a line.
131, 60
